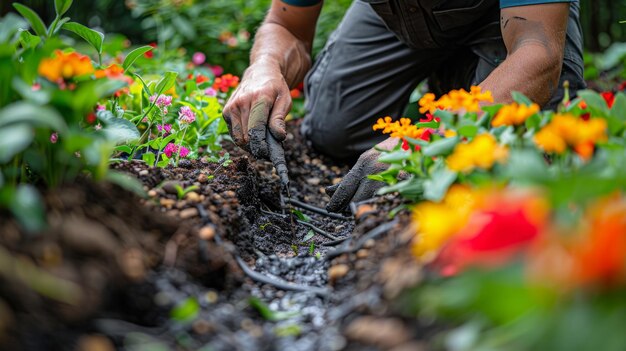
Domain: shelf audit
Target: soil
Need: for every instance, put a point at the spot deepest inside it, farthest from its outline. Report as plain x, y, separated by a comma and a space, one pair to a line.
231, 243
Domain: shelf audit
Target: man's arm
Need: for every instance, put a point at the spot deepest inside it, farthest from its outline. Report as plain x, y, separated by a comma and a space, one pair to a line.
534, 36
280, 58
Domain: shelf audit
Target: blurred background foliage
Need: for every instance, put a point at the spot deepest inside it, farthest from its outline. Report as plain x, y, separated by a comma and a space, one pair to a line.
223, 29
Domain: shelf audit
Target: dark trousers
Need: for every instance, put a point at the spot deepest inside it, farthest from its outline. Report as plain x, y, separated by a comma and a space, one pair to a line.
383, 49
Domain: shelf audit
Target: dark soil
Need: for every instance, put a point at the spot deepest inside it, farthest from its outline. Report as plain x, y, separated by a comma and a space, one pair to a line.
134, 260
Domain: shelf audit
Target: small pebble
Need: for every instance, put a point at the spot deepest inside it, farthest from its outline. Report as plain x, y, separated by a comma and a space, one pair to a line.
230, 193
313, 181
207, 233
336, 181
337, 272
144, 172
203, 178
363, 210
201, 327
94, 343
152, 193
171, 187
193, 197
362, 253
167, 203
188, 213
211, 296
369, 244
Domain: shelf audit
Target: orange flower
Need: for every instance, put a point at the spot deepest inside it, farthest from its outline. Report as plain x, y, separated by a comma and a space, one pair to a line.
456, 100
403, 128
567, 130
482, 152
225, 82
514, 114
64, 66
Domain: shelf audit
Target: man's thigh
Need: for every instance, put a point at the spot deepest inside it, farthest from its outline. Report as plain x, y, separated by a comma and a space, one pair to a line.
363, 73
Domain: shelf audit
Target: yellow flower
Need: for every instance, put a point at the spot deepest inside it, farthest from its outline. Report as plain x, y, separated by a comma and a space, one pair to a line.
514, 114
568, 130
438, 222
65, 66
482, 152
385, 124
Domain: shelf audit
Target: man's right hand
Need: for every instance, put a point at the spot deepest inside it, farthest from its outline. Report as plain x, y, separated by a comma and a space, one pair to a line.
261, 100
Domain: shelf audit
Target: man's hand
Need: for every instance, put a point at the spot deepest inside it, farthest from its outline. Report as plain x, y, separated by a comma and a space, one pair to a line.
355, 186
261, 100
280, 58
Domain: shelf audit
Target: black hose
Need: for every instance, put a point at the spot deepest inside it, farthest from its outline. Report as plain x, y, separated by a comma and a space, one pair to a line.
279, 283
317, 210
318, 230
372, 234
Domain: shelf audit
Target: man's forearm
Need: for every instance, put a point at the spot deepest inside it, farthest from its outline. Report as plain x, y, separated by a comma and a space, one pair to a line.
277, 46
528, 71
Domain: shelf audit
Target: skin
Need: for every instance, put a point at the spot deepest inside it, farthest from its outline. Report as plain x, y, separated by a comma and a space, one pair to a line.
534, 36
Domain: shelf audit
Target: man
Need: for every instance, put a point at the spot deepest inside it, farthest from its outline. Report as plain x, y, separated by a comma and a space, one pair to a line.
380, 52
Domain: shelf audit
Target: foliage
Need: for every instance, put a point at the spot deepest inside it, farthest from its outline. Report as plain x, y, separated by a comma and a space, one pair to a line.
520, 215
64, 115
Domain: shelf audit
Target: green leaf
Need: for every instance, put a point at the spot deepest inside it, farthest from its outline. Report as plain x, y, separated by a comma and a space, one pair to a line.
412, 188
94, 38
168, 81
301, 216
28, 40
124, 148
33, 18
267, 313
618, 110
27, 206
437, 186
521, 98
468, 131
440, 147
595, 103
432, 124
446, 116
149, 158
310, 234
127, 182
134, 55
186, 311
22, 112
13, 140
61, 6
395, 156
120, 130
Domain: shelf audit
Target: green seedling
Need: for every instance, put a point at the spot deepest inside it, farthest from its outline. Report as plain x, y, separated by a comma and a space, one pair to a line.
295, 249
263, 226
182, 191
267, 313
308, 236
312, 249
186, 311
301, 216
288, 330
318, 255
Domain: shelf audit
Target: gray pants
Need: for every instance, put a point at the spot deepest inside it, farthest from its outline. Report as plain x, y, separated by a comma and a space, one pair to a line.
384, 48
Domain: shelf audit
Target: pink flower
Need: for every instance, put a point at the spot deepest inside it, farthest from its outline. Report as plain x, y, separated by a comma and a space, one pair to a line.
217, 70
184, 151
186, 115
166, 129
100, 107
171, 149
161, 100
198, 58
98, 126
54, 137
210, 92
36, 87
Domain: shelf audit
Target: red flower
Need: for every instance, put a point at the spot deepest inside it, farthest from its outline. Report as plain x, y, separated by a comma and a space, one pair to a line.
495, 234
429, 118
150, 54
609, 97
90, 118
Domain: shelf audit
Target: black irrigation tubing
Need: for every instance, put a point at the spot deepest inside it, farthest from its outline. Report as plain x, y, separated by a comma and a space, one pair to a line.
279, 283
317, 210
310, 225
381, 229
336, 242
318, 230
